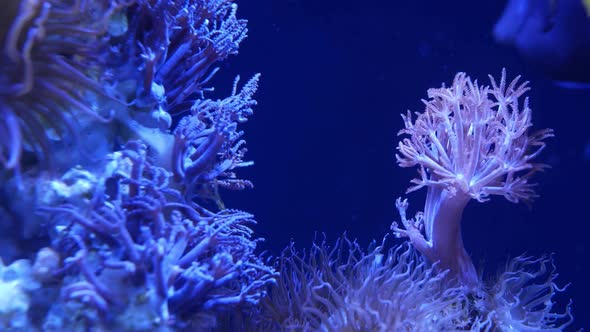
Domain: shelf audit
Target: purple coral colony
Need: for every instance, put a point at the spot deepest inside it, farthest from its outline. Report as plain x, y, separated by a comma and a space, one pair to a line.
113, 160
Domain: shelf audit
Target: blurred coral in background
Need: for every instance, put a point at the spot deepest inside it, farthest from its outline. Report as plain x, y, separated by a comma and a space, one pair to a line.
554, 36
54, 57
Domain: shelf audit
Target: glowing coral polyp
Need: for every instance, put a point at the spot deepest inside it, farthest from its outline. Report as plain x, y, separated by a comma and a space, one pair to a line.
471, 141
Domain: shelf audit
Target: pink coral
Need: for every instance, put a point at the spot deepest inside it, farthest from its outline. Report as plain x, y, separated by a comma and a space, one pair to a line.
471, 141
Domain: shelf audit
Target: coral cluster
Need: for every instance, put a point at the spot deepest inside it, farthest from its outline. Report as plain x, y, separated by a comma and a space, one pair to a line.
138, 249
68, 64
117, 155
394, 288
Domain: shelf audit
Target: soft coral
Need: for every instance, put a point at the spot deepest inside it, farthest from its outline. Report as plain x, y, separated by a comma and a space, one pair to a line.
471, 141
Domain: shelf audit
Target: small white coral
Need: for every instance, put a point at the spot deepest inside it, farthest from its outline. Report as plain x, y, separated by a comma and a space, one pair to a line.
15, 283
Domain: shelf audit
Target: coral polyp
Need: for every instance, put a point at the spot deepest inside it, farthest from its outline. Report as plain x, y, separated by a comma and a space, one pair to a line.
470, 142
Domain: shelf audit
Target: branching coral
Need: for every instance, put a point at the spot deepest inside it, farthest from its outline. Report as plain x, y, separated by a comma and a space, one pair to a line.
138, 248
148, 60
470, 142
207, 144
175, 64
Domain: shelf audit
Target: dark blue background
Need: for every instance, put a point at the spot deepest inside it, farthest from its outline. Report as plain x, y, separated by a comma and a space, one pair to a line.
335, 77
